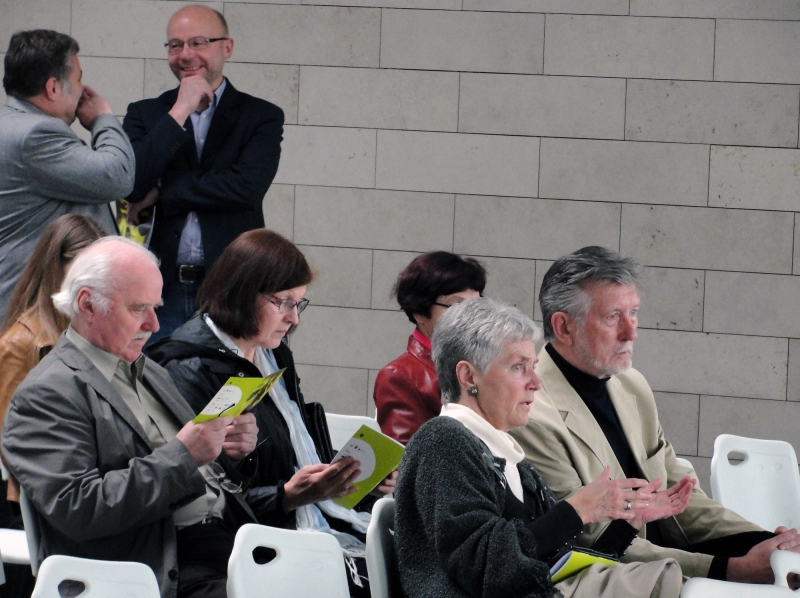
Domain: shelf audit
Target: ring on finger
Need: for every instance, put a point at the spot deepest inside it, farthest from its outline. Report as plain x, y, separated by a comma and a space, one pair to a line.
627, 505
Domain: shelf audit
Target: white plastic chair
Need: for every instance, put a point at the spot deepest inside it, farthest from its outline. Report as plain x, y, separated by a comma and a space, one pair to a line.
684, 462
13, 543
765, 487
783, 562
102, 579
342, 427
384, 580
306, 564
32, 533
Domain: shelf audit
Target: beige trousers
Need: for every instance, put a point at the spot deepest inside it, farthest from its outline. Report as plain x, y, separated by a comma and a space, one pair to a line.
657, 579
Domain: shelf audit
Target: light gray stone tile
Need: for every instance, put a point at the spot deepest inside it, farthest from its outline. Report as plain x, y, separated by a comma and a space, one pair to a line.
583, 7
125, 28
711, 112
278, 208
340, 390
542, 105
275, 83
431, 4
458, 163
702, 468
770, 420
757, 304
352, 338
510, 281
718, 9
342, 277
763, 51
708, 238
371, 409
542, 266
793, 383
608, 46
796, 260
462, 41
33, 14
672, 299
720, 364
679, 415
119, 80
327, 156
323, 35
532, 228
754, 178
379, 98
624, 171
386, 267
360, 217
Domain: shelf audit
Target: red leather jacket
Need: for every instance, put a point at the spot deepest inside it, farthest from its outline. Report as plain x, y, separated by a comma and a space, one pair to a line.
407, 392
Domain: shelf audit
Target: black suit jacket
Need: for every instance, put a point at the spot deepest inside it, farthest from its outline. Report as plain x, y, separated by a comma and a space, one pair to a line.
225, 187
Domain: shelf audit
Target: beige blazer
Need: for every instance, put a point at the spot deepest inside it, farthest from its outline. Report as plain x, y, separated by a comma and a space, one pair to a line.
569, 449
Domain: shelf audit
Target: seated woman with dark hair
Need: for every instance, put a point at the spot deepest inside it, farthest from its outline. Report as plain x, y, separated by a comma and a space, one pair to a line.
250, 300
32, 324
407, 389
473, 518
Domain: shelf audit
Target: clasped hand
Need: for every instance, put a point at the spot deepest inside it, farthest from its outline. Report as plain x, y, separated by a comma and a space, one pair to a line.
634, 500
205, 441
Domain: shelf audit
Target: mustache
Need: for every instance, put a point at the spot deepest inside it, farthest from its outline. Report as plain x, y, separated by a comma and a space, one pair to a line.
626, 348
141, 336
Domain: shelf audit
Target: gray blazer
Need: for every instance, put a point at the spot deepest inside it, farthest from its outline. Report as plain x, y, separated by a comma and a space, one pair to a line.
47, 171
101, 490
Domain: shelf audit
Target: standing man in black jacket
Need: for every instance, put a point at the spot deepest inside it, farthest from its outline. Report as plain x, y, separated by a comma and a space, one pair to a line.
206, 154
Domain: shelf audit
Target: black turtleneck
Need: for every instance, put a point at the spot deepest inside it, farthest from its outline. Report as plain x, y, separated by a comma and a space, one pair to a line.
594, 393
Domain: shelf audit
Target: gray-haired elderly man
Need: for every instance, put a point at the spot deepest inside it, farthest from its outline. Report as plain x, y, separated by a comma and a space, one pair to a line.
97, 436
595, 410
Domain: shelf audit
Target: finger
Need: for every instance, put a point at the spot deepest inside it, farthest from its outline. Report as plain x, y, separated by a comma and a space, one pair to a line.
630, 483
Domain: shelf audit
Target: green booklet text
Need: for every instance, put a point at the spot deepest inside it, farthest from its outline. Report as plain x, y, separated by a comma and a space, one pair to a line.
237, 395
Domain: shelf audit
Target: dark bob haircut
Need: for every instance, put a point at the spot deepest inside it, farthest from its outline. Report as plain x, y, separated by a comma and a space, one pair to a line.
432, 275
35, 56
256, 262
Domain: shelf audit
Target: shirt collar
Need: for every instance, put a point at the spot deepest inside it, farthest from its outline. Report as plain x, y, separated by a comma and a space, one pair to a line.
104, 361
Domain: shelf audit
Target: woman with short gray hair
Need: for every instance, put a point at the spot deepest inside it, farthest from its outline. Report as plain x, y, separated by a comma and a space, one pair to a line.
474, 519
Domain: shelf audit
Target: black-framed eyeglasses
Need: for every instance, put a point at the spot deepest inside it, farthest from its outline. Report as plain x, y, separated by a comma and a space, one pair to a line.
174, 46
222, 478
285, 306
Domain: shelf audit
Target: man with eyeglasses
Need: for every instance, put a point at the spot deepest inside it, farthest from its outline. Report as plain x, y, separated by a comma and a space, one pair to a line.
103, 445
206, 154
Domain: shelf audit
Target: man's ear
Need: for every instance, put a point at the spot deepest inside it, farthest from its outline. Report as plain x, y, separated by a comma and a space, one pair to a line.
564, 328
53, 89
84, 300
228, 47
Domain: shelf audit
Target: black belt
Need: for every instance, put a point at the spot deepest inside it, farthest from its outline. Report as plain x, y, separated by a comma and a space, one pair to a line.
191, 273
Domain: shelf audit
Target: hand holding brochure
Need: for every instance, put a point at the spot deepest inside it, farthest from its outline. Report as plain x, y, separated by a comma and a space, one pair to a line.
378, 454
571, 562
237, 395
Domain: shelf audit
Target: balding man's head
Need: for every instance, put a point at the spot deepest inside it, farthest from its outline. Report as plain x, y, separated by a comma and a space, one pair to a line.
110, 293
207, 58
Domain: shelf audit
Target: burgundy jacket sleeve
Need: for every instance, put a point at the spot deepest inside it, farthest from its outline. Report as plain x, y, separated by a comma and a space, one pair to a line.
407, 393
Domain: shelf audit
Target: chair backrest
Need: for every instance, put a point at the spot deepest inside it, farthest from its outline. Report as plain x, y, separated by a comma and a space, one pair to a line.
102, 579
784, 562
384, 579
305, 564
32, 532
342, 427
764, 487
684, 462
701, 587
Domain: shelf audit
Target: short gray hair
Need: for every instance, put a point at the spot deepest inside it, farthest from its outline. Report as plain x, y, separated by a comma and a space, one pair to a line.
475, 331
564, 285
93, 270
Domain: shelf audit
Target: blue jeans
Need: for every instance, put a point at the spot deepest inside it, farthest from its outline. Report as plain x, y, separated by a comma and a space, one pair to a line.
180, 304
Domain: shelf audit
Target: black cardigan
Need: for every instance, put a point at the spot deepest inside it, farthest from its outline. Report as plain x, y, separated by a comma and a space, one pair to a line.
200, 364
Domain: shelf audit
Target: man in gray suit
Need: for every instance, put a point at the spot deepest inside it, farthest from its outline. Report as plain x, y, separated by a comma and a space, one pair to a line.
45, 169
97, 436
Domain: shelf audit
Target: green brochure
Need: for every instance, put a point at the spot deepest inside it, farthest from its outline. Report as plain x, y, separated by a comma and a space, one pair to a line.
576, 560
238, 395
379, 456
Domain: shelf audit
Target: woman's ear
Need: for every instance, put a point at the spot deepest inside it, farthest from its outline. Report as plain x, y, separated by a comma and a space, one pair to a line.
466, 374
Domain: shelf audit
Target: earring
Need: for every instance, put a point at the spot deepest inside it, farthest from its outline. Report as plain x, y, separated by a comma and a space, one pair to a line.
472, 391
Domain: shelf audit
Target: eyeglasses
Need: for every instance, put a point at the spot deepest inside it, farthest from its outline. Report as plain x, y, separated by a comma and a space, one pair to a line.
285, 306
222, 478
174, 46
